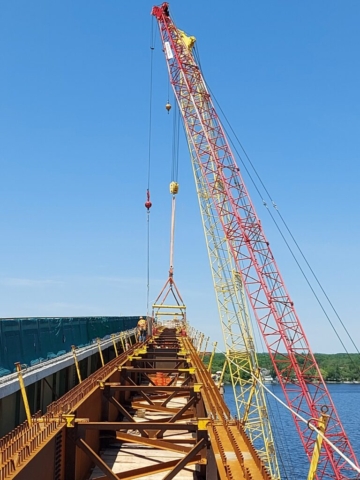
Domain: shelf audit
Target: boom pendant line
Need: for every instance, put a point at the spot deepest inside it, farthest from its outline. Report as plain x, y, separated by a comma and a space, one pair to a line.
293, 360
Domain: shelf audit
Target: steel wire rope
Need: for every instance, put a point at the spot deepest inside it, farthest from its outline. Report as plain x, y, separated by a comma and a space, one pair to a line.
152, 47
292, 237
175, 143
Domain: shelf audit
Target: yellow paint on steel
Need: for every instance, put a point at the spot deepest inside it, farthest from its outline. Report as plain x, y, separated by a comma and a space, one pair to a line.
168, 314
232, 448
232, 304
174, 188
205, 348
201, 339
17, 454
23, 393
322, 424
203, 423
212, 357
114, 343
189, 41
250, 399
221, 379
182, 307
73, 348
69, 419
122, 341
100, 352
190, 370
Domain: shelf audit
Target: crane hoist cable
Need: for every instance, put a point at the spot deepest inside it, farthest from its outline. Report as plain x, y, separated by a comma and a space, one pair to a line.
174, 185
148, 203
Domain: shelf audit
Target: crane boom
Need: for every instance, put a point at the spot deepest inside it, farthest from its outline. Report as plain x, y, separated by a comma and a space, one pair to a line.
296, 368
238, 337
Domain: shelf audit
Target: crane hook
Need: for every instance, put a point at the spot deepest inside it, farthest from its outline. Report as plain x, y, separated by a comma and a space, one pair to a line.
148, 204
168, 107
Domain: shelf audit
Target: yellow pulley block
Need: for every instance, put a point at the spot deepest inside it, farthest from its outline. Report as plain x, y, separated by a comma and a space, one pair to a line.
174, 188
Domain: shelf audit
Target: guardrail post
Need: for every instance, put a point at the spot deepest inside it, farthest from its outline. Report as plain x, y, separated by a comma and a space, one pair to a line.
114, 343
73, 348
23, 393
204, 352
100, 352
122, 341
212, 357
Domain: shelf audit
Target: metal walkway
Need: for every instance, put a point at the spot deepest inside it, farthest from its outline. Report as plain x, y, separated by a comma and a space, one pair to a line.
153, 412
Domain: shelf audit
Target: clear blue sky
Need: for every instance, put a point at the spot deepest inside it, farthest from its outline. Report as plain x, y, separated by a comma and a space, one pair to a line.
74, 123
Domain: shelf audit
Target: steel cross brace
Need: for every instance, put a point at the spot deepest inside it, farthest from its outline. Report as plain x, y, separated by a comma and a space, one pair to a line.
152, 469
143, 394
189, 427
152, 442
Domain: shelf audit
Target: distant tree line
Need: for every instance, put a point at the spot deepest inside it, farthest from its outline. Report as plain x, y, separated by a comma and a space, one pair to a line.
338, 367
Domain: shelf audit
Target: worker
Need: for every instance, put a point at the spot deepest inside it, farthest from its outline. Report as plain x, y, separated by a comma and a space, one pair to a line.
141, 330
222, 390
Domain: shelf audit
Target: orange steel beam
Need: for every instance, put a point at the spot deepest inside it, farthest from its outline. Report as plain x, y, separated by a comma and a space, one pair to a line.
151, 442
96, 459
184, 461
154, 407
152, 469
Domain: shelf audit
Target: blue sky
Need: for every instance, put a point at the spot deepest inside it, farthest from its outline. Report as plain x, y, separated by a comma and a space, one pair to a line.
74, 128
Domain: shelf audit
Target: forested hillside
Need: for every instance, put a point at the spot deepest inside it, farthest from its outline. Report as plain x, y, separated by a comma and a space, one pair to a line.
337, 367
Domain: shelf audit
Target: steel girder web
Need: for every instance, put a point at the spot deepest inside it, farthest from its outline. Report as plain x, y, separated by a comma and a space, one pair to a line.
298, 373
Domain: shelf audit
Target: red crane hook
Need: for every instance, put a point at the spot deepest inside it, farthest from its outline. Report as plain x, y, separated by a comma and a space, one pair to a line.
148, 204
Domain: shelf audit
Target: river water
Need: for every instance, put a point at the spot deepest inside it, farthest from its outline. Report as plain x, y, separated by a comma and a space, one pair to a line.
292, 461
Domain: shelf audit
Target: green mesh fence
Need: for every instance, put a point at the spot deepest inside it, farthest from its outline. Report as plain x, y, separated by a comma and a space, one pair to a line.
33, 340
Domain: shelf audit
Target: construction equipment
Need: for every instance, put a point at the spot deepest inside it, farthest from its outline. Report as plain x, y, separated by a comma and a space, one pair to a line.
296, 368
